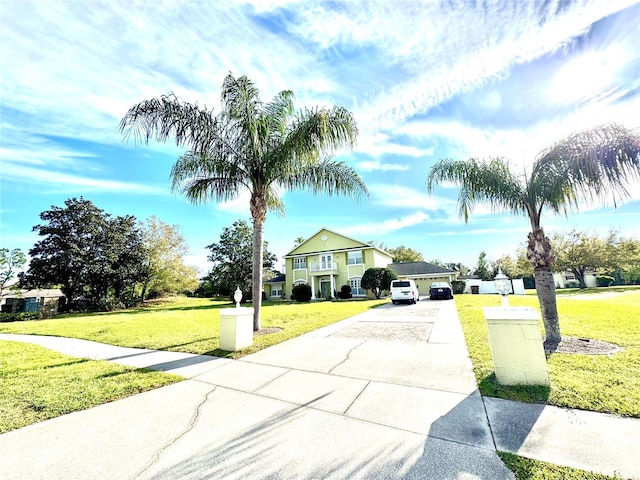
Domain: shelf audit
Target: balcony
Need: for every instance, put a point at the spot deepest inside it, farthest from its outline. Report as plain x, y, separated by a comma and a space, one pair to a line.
323, 268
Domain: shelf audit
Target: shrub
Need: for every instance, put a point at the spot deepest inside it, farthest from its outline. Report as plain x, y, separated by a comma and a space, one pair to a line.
19, 316
604, 280
458, 286
345, 292
301, 293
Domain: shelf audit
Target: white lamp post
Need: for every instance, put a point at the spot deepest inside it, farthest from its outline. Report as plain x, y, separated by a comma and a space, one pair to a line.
237, 296
503, 286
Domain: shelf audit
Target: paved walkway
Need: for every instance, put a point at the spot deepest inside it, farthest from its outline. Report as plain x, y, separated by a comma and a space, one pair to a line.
389, 393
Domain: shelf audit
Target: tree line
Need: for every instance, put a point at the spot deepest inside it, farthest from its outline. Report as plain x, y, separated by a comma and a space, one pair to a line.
102, 262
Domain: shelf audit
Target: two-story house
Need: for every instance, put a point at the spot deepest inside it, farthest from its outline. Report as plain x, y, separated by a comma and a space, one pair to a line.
328, 260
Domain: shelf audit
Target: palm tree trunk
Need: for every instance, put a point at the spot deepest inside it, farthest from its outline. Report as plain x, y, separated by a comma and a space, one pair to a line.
258, 213
546, 290
540, 255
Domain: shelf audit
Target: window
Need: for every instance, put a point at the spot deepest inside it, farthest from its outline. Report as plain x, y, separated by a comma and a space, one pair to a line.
356, 288
325, 261
299, 263
276, 291
355, 258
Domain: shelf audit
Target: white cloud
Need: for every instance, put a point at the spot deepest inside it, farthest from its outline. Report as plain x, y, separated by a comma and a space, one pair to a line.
399, 196
370, 166
386, 226
52, 181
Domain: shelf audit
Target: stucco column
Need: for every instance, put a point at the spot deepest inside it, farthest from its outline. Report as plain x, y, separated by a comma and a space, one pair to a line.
313, 288
333, 285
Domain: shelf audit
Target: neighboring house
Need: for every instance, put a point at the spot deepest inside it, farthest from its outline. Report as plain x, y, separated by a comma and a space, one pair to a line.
423, 273
46, 301
328, 260
274, 287
569, 280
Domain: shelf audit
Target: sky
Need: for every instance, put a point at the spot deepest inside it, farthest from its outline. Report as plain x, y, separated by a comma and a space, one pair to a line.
424, 80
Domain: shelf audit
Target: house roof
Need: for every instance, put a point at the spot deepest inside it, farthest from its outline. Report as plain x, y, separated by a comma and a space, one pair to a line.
357, 244
35, 293
277, 279
418, 268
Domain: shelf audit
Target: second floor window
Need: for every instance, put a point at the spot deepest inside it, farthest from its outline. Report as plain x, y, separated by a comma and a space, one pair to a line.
355, 258
299, 263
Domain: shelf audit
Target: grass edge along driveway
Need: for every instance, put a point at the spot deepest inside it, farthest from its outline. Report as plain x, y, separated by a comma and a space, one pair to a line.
600, 383
37, 384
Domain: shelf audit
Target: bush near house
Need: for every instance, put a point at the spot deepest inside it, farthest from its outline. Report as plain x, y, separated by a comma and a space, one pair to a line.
604, 280
345, 292
19, 316
458, 286
301, 293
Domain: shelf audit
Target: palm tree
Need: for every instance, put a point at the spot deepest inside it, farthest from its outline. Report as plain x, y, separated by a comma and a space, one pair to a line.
591, 165
250, 146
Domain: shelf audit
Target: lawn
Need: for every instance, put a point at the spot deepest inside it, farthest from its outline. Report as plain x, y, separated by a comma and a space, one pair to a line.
602, 383
190, 324
37, 384
527, 469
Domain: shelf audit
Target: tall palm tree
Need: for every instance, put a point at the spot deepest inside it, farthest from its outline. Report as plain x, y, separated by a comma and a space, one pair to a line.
595, 164
250, 146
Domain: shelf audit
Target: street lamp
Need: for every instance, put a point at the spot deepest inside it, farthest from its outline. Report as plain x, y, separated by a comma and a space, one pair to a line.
503, 286
237, 296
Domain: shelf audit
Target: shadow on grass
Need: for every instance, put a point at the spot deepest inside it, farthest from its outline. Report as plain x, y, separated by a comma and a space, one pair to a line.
490, 387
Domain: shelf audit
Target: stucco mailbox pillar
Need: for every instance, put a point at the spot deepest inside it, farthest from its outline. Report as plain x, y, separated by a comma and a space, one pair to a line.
516, 346
236, 328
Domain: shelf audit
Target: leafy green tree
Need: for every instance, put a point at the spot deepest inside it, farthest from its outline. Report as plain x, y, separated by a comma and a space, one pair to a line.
507, 264
627, 255
579, 252
461, 268
232, 259
624, 258
250, 146
378, 279
11, 263
593, 164
164, 251
403, 254
483, 270
86, 251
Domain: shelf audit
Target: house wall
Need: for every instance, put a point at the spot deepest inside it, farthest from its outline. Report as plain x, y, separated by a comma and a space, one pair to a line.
271, 290
342, 274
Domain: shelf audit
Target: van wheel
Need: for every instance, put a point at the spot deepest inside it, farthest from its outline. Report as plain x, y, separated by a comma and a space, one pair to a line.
394, 302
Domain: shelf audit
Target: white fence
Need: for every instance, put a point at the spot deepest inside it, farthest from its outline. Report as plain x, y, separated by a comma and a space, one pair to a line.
487, 286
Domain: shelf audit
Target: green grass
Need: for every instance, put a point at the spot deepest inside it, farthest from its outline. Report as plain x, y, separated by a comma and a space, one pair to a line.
527, 469
37, 384
190, 324
602, 383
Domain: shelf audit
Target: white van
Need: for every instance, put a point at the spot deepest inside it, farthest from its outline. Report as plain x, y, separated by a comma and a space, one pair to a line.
404, 291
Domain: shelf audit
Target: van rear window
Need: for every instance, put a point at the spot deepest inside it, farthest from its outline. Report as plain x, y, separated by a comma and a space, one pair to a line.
400, 284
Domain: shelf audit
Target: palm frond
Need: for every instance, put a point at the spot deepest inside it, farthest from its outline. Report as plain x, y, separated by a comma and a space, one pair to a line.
320, 130
491, 182
326, 176
595, 163
169, 117
200, 177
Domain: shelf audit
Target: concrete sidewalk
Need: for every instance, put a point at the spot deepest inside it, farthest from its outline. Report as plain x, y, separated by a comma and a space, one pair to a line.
385, 394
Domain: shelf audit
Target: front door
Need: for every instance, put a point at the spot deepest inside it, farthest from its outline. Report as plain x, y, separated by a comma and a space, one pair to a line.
325, 288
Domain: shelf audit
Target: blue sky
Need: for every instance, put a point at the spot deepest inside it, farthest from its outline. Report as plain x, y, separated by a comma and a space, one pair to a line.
424, 80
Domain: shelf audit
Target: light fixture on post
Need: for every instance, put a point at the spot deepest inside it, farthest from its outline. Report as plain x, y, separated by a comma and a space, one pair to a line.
503, 286
237, 296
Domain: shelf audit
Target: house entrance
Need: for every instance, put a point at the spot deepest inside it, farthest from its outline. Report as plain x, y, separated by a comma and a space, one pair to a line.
325, 289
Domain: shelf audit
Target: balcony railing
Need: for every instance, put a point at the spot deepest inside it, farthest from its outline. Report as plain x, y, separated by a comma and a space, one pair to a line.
324, 267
